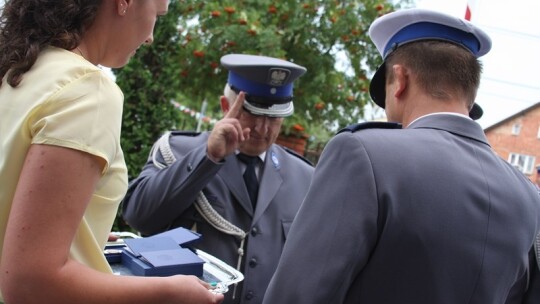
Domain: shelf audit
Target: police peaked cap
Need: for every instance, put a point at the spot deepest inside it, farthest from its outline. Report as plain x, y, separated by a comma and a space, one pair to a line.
267, 82
409, 25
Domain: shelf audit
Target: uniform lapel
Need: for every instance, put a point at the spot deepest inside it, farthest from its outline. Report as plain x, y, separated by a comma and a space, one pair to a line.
270, 182
232, 176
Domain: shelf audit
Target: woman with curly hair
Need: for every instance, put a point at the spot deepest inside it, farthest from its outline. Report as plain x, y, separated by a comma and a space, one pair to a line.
62, 170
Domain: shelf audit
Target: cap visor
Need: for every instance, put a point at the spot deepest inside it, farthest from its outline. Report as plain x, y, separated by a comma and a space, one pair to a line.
377, 88
275, 110
476, 112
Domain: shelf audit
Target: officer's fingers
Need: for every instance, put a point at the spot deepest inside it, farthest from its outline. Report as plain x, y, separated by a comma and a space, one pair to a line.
227, 132
231, 125
237, 131
235, 109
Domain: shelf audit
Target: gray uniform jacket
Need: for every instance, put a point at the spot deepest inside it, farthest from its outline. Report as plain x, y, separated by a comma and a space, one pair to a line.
162, 199
428, 214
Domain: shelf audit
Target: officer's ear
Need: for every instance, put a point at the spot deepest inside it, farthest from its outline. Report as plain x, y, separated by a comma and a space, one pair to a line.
401, 80
225, 106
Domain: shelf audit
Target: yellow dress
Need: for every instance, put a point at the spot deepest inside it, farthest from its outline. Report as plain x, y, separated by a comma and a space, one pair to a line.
66, 101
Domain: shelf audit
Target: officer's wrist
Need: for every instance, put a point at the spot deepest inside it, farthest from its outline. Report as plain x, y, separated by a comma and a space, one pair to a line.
213, 159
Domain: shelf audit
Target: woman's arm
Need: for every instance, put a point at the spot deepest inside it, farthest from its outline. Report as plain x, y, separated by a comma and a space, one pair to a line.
52, 195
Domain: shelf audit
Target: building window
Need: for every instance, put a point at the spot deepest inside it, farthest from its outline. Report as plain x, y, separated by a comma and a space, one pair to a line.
524, 163
516, 128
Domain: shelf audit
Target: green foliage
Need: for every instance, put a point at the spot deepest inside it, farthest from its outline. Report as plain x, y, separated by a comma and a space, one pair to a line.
315, 34
149, 82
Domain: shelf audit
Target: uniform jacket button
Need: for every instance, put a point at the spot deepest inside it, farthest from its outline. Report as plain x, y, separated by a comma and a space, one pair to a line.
253, 262
254, 231
249, 295
189, 167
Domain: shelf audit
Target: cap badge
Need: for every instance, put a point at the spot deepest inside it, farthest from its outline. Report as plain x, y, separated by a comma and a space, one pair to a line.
278, 77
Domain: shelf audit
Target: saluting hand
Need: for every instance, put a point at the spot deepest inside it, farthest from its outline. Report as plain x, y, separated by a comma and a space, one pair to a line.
228, 132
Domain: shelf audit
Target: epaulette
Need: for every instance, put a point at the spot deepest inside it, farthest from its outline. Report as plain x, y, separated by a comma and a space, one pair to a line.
185, 133
371, 125
294, 153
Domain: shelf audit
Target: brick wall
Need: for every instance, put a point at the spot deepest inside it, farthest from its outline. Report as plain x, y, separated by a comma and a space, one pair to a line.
526, 142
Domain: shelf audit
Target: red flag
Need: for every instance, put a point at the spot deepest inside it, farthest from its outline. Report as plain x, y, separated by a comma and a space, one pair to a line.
472, 7
468, 12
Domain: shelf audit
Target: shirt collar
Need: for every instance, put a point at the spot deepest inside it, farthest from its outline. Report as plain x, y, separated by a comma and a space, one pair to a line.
440, 113
261, 156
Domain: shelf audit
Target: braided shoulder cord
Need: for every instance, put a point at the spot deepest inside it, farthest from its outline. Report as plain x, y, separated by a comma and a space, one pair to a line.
162, 146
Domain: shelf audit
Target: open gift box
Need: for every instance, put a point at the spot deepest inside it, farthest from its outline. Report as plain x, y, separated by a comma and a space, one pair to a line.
163, 254
168, 253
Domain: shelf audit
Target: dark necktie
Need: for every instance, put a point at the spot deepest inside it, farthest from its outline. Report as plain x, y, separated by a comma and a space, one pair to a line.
250, 177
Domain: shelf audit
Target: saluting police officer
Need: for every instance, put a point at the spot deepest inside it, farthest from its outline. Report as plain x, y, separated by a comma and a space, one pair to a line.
233, 184
418, 210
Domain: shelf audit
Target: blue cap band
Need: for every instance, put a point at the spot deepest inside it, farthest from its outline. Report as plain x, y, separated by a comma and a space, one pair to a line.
428, 30
259, 89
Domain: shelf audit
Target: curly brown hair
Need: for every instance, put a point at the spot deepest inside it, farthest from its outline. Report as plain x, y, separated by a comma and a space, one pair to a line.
28, 26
